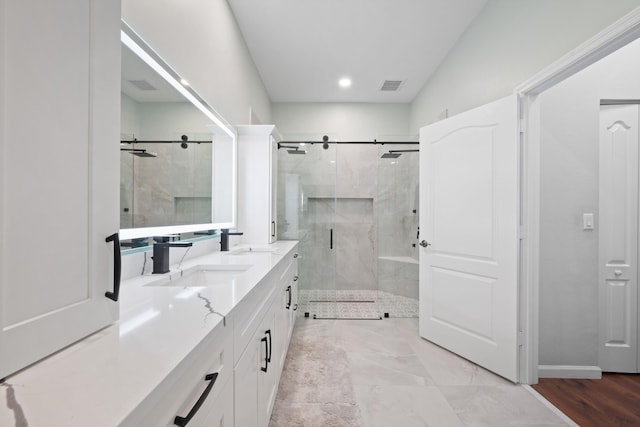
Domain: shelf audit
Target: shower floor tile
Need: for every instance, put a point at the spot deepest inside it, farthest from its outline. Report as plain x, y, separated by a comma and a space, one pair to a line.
355, 304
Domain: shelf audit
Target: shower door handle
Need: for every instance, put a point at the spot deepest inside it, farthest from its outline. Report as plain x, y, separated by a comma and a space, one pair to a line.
424, 244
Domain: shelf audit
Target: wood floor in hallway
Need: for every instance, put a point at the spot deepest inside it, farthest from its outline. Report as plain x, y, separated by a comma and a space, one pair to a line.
611, 401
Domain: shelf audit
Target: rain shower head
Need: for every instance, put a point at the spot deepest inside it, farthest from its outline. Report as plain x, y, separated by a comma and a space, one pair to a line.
394, 154
145, 153
140, 152
390, 155
292, 149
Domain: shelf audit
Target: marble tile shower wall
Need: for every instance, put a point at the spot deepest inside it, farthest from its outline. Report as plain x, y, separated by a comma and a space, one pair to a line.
368, 202
152, 197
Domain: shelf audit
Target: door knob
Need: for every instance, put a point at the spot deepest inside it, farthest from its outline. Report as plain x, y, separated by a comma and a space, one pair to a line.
424, 243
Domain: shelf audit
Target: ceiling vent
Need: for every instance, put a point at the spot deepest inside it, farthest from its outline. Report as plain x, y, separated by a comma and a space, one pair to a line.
142, 85
391, 85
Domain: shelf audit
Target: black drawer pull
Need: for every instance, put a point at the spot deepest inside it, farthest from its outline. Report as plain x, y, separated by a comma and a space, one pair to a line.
268, 332
117, 267
273, 229
295, 278
295, 255
331, 238
183, 421
266, 355
289, 301
295, 307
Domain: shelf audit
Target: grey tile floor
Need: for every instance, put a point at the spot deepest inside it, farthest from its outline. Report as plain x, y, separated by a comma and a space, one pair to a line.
369, 373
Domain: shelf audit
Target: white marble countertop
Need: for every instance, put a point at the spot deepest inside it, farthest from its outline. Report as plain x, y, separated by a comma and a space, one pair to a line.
101, 379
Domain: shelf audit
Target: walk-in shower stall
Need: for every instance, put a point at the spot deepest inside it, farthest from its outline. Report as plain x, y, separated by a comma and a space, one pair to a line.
353, 207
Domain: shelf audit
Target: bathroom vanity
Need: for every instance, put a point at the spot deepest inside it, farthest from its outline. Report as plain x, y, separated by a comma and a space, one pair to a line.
202, 345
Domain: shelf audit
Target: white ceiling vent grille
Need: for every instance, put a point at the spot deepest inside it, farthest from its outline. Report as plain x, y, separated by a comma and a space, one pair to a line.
142, 85
391, 85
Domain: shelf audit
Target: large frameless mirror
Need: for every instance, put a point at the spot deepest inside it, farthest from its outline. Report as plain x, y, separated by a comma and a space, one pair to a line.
177, 155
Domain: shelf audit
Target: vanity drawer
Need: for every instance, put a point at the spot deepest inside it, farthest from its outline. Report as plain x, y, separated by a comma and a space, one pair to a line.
203, 377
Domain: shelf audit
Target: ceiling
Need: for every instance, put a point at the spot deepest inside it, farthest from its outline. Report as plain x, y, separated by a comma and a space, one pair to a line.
303, 47
141, 83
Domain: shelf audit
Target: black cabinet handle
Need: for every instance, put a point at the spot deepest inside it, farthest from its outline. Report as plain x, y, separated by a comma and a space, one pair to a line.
295, 278
273, 229
183, 421
295, 307
331, 238
266, 355
295, 255
117, 267
268, 332
289, 302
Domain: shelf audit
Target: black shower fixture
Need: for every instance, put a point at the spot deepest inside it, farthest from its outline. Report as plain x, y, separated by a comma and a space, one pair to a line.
184, 144
325, 143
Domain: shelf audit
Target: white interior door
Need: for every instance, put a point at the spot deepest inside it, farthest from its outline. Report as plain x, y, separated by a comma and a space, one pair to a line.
469, 220
618, 239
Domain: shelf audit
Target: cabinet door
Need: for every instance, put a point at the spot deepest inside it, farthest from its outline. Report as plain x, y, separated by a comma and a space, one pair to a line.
59, 163
268, 381
273, 191
255, 379
245, 378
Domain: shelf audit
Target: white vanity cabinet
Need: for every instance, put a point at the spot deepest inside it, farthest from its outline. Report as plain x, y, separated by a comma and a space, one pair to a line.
259, 366
59, 163
257, 183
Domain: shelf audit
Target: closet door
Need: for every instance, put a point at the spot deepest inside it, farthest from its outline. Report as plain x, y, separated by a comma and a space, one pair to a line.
618, 239
59, 173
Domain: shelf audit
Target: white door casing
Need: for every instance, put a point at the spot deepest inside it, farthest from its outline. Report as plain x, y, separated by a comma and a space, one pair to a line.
618, 239
469, 204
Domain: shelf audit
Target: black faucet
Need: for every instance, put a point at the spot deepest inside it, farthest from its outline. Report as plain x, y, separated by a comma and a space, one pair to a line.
161, 253
224, 238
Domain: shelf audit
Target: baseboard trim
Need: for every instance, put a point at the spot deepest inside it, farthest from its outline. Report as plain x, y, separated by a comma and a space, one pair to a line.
569, 371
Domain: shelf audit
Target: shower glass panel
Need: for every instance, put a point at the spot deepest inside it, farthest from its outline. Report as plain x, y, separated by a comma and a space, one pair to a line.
397, 219
307, 212
354, 209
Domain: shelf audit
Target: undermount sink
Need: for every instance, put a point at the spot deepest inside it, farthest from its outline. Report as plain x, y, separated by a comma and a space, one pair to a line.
204, 275
252, 250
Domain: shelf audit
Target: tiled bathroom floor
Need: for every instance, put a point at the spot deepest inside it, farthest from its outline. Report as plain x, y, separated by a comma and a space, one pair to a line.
355, 304
370, 373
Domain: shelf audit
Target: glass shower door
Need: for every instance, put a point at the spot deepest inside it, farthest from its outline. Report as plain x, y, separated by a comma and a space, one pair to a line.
306, 212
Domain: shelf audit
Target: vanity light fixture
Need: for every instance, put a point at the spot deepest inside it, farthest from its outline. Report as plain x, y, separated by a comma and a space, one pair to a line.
344, 82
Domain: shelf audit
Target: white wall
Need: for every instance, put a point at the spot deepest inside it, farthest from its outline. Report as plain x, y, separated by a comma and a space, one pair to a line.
343, 121
569, 188
201, 41
509, 42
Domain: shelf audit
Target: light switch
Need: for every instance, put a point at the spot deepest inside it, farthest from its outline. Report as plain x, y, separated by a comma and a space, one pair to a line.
587, 221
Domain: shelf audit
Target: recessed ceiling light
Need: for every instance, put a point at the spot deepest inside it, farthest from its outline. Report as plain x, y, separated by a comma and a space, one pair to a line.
344, 82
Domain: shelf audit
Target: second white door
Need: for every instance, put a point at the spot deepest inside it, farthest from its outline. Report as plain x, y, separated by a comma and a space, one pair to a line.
618, 239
